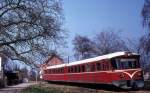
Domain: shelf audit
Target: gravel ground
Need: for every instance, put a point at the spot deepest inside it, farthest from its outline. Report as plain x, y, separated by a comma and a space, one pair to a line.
15, 88
84, 88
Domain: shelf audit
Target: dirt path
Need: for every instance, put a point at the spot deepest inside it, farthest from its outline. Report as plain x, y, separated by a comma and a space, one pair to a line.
15, 88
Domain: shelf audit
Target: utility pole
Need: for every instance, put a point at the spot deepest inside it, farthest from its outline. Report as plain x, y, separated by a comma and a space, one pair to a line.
68, 59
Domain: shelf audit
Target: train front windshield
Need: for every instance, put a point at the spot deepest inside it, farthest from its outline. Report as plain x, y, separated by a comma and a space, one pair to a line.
125, 63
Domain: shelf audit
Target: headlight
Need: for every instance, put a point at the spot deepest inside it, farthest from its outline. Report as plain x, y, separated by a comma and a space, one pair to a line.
139, 74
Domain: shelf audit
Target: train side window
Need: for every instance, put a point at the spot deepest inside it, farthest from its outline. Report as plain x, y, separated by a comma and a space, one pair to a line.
75, 69
103, 66
109, 67
49, 71
87, 67
61, 70
82, 68
113, 63
78, 68
68, 69
71, 69
54, 70
57, 70
92, 67
98, 66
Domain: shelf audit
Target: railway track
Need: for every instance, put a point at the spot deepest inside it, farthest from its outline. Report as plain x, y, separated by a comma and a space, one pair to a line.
88, 88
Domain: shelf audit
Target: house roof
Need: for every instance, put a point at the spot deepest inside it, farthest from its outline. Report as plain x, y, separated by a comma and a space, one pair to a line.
52, 56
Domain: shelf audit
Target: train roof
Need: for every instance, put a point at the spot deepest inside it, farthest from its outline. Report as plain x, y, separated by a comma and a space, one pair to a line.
56, 66
107, 56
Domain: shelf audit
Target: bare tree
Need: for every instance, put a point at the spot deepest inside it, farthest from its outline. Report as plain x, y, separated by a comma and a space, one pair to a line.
30, 28
83, 46
140, 47
108, 41
145, 40
144, 43
146, 13
144, 50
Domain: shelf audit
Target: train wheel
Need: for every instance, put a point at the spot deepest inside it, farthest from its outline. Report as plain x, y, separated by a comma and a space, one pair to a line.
134, 86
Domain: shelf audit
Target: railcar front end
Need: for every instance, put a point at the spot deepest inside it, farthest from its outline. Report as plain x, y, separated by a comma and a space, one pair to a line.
127, 73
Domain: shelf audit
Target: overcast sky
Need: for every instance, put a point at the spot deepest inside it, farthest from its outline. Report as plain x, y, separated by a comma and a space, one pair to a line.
88, 17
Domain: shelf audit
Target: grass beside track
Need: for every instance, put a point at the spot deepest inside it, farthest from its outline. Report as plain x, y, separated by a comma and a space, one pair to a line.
40, 89
56, 88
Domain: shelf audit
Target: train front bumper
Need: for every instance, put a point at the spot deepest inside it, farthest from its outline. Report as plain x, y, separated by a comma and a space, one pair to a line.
128, 84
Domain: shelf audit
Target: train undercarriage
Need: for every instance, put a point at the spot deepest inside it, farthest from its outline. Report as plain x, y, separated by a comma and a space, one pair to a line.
128, 84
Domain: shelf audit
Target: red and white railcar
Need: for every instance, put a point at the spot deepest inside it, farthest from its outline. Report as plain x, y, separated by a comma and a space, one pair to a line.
121, 69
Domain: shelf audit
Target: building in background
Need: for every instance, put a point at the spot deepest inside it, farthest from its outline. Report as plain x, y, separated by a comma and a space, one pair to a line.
53, 60
50, 61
